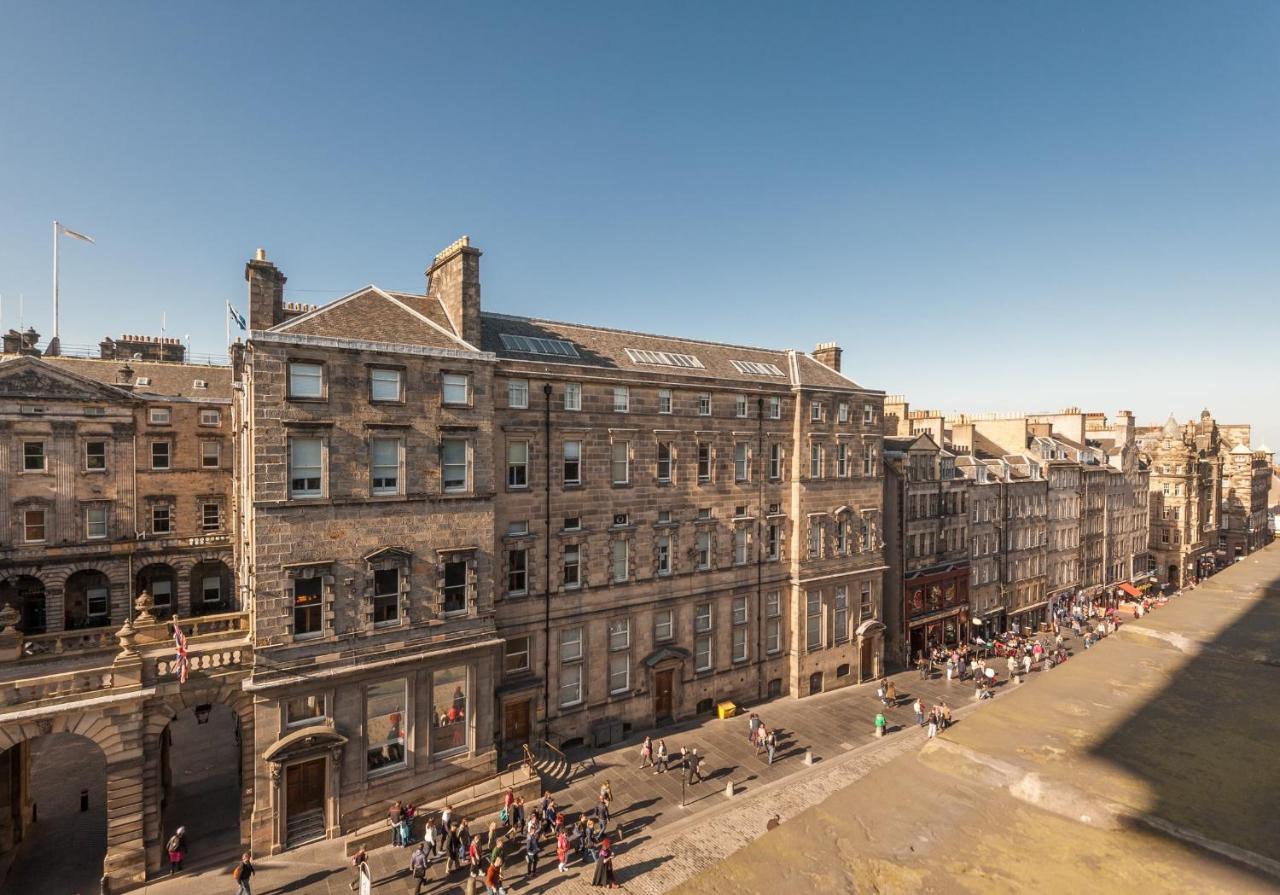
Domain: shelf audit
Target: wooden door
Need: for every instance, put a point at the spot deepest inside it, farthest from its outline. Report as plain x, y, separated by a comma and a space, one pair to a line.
866, 655
304, 787
515, 723
663, 684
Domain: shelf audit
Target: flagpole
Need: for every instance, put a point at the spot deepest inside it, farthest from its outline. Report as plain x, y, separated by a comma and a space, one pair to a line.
226, 322
54, 340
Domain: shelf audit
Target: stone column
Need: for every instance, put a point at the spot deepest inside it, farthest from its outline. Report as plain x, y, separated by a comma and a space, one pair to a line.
126, 846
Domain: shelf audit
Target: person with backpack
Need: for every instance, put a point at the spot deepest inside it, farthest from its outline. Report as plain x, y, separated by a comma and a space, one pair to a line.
177, 849
660, 766
242, 874
359, 860
493, 879
418, 864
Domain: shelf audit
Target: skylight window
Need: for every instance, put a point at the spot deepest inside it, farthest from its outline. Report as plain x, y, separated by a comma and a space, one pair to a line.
758, 369
663, 358
534, 345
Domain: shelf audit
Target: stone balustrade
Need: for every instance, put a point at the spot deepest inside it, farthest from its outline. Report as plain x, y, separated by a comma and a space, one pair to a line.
84, 640
56, 687
207, 662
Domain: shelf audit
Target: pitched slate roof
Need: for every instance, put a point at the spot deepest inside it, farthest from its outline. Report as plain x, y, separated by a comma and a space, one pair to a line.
165, 379
373, 315
607, 348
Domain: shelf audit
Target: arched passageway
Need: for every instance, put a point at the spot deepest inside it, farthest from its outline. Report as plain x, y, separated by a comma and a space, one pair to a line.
55, 813
202, 780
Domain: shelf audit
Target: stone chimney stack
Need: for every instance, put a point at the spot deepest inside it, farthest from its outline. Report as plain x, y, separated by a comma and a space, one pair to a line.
1125, 427
828, 354
266, 292
454, 280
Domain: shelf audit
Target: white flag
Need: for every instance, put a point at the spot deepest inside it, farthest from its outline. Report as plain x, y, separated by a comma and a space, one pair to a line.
68, 232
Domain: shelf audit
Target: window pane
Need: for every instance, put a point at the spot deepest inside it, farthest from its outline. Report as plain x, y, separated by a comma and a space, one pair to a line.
301, 709
306, 606
304, 467
385, 456
454, 388
455, 586
386, 596
619, 672
449, 709
305, 380
570, 685
384, 709
385, 385
454, 472
570, 644
572, 396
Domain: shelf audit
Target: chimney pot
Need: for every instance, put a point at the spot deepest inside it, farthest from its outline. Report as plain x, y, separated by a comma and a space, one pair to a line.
260, 255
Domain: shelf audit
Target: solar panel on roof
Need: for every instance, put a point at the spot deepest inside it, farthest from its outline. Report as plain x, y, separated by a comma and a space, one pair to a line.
536, 345
755, 367
663, 358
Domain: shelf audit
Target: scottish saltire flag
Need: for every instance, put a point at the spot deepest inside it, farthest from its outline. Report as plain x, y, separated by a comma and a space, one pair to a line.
240, 321
181, 662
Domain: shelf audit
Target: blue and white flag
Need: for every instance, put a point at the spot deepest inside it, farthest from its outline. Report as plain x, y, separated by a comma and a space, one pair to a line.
240, 321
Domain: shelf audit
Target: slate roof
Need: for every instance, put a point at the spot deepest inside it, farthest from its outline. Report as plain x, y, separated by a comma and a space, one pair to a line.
166, 379
372, 315
606, 348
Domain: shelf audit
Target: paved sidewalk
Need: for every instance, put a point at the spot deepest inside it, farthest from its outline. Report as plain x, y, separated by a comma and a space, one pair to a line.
656, 850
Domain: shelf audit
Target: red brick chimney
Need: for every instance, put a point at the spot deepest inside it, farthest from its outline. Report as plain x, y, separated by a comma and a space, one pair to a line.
828, 354
266, 292
454, 280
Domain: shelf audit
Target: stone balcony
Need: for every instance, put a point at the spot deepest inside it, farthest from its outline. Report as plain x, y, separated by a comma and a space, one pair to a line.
72, 669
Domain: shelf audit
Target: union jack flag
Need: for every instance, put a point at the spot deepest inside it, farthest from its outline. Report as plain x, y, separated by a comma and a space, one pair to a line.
181, 662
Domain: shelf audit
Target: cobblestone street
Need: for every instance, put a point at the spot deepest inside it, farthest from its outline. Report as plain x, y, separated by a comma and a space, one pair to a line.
663, 844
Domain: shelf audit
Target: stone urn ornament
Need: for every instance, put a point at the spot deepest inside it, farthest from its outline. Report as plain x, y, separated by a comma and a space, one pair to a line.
9, 618
142, 609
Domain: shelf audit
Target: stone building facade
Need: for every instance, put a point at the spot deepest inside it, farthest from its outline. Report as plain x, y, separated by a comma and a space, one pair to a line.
1185, 480
466, 532
115, 482
927, 547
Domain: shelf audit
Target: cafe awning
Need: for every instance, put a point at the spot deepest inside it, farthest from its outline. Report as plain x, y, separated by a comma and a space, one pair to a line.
1130, 589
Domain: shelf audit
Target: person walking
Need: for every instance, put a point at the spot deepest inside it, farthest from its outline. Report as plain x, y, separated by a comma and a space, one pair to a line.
918, 708
418, 863
395, 814
753, 728
452, 848
695, 766
243, 874
891, 693
933, 725
646, 753
1026, 664
532, 846
562, 851
604, 867
660, 764
359, 861
771, 743
493, 879
177, 849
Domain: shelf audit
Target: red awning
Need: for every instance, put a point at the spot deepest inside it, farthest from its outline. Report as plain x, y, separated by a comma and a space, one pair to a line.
1130, 589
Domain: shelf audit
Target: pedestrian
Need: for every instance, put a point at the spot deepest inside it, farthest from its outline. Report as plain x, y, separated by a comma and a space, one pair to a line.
430, 835
452, 849
604, 867
517, 814
394, 816
661, 764
359, 861
446, 817
918, 708
646, 753
532, 850
881, 692
493, 879
944, 713
933, 726
891, 693
562, 851
1026, 664
418, 864
771, 743
753, 728
695, 767
242, 874
177, 849
602, 813
684, 757
606, 793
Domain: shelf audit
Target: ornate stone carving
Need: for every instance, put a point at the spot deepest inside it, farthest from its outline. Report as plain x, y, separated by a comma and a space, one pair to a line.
9, 618
128, 637
142, 608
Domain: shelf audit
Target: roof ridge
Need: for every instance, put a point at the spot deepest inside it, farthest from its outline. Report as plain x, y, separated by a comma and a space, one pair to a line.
425, 319
631, 332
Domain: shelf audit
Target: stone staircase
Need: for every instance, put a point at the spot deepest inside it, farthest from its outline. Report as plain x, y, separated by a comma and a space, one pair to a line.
305, 827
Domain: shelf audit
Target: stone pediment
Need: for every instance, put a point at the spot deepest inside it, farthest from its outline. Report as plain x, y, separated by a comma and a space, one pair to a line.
30, 378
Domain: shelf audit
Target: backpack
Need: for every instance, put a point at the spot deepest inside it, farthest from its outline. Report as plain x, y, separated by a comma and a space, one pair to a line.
503, 816
235, 874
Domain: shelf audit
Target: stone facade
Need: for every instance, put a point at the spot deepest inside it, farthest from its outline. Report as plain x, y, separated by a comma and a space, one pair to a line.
1186, 482
927, 547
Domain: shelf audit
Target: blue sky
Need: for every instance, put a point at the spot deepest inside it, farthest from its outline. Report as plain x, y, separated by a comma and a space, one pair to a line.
991, 206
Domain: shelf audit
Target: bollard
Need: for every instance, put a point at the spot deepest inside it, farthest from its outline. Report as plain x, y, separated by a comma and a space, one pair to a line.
728, 790
808, 757
879, 731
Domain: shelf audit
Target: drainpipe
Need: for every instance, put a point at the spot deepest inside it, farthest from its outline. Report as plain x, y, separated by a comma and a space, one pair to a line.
546, 590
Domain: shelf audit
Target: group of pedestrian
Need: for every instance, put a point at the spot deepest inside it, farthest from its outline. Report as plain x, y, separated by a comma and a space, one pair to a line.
762, 738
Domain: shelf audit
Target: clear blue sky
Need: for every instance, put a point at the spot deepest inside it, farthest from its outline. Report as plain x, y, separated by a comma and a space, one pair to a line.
994, 206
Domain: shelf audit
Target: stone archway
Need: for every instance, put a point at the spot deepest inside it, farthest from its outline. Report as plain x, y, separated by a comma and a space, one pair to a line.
117, 740
212, 587
87, 600
161, 785
160, 580
26, 594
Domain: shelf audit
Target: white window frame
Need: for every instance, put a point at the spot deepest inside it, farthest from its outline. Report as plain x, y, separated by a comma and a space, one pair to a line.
620, 462
89, 467
664, 475
518, 464
775, 461
704, 404
301, 374
375, 466
571, 453
159, 416
703, 653
518, 394
168, 454
306, 492
450, 383
379, 377
27, 525
741, 462
740, 406
97, 517
621, 399
576, 565
573, 396
204, 516
445, 465
663, 546
664, 400
664, 626
508, 654
210, 417
741, 545
775, 408
813, 598
620, 561
704, 550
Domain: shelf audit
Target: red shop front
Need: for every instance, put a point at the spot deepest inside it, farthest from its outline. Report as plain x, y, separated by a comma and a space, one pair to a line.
937, 610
